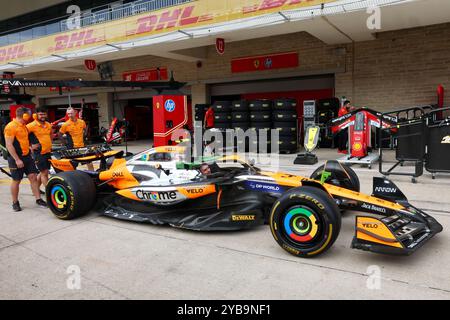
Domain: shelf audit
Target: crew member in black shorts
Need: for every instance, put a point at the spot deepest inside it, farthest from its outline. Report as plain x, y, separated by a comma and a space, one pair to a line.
19, 159
40, 132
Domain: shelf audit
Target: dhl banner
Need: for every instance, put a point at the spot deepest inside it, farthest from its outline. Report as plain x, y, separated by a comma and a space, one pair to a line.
193, 14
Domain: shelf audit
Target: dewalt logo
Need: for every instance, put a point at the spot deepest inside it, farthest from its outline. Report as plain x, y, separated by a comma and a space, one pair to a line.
247, 217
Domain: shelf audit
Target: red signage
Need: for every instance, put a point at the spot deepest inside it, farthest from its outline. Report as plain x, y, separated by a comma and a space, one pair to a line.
220, 45
54, 89
267, 62
91, 65
146, 75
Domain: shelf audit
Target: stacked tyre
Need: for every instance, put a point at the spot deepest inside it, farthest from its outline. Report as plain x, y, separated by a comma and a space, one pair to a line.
284, 117
240, 116
222, 114
200, 110
261, 122
240, 120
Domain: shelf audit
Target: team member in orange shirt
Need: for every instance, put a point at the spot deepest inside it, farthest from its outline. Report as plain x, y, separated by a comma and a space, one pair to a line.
40, 137
19, 159
75, 130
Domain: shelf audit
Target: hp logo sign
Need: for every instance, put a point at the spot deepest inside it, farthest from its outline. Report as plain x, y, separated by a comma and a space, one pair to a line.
169, 105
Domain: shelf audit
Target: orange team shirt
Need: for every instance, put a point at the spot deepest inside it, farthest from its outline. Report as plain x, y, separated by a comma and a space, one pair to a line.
17, 131
42, 132
74, 131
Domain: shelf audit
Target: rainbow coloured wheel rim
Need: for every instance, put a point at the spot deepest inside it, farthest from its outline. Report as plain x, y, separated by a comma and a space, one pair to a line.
301, 225
59, 198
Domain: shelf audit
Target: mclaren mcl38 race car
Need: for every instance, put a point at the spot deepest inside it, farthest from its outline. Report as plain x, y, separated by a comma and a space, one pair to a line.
159, 186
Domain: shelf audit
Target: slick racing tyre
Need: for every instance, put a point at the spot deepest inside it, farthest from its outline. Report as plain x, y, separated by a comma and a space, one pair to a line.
222, 106
284, 104
261, 116
239, 106
286, 128
260, 105
222, 125
244, 126
240, 116
222, 117
305, 221
341, 176
261, 125
70, 194
287, 144
285, 116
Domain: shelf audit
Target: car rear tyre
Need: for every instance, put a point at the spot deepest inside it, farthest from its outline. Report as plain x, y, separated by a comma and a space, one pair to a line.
70, 194
305, 221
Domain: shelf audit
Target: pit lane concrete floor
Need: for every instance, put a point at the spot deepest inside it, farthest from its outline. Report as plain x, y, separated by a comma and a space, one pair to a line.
121, 260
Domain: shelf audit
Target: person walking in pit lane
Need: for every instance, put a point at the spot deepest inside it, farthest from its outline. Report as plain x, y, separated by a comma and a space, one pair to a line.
41, 143
75, 130
343, 135
19, 160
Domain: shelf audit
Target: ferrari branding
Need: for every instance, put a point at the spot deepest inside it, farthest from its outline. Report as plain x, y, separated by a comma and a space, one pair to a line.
249, 217
373, 207
446, 139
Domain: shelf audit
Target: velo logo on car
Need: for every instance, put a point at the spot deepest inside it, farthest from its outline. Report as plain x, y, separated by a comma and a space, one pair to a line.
170, 105
265, 187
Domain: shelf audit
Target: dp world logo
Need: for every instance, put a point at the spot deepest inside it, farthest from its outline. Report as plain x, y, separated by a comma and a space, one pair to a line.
170, 105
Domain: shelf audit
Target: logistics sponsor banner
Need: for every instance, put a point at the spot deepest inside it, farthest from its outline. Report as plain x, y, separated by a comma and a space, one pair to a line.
193, 14
267, 62
146, 75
